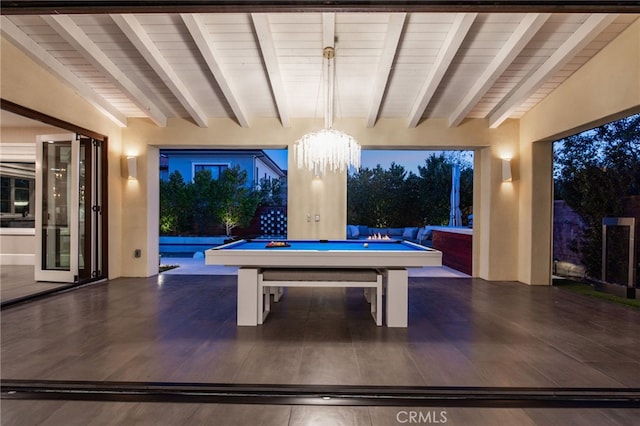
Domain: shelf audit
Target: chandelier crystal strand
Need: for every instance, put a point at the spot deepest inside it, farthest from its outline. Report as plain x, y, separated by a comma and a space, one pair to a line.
328, 148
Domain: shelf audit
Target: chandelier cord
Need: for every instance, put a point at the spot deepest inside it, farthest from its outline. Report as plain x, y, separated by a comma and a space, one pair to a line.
328, 55
319, 91
328, 148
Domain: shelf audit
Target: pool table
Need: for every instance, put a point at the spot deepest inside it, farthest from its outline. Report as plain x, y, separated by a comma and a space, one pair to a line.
392, 257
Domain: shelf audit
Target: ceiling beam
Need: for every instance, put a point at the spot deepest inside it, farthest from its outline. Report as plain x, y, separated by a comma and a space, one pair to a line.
267, 47
394, 32
526, 30
574, 44
38, 54
459, 29
78, 39
198, 32
130, 26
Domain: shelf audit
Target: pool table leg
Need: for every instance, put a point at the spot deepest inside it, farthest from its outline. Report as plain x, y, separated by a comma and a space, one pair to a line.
397, 291
248, 296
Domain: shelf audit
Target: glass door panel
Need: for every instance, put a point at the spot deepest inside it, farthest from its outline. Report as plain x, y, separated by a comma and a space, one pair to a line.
84, 207
90, 210
56, 208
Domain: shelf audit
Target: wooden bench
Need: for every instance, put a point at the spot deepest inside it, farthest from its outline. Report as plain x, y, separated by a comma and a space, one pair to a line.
271, 281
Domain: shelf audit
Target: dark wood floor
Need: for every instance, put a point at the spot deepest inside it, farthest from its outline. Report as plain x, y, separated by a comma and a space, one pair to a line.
16, 281
462, 332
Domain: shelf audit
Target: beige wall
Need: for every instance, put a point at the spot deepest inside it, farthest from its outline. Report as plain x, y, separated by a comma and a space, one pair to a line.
25, 135
17, 247
606, 88
495, 207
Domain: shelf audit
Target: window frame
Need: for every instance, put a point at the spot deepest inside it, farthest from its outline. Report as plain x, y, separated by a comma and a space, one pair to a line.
196, 164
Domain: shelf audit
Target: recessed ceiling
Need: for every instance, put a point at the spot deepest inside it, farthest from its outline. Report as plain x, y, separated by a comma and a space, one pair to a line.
244, 66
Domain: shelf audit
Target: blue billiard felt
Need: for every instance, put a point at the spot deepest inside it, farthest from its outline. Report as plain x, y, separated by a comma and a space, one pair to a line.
328, 245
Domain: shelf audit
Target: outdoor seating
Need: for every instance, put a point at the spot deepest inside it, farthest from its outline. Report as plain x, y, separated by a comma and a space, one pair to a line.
419, 235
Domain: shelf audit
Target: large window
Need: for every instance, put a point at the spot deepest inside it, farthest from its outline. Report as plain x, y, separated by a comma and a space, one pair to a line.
17, 182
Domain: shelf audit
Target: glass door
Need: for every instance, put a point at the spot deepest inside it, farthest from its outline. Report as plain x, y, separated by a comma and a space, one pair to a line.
70, 209
90, 210
56, 218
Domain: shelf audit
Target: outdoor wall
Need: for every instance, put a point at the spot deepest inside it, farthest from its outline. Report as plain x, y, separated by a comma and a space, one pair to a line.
264, 171
25, 83
604, 89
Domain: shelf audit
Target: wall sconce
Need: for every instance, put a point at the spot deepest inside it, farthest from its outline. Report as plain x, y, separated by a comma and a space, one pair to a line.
507, 175
129, 167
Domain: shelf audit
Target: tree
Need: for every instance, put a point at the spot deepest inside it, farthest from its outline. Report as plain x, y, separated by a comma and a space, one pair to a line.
594, 171
204, 194
435, 190
397, 198
270, 192
360, 200
394, 182
174, 205
202, 206
377, 197
466, 194
237, 203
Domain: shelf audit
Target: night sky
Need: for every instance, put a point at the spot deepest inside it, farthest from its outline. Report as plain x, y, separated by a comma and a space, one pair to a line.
371, 158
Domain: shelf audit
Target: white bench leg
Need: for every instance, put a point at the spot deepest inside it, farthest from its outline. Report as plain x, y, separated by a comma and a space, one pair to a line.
267, 303
373, 295
379, 301
367, 295
264, 300
277, 293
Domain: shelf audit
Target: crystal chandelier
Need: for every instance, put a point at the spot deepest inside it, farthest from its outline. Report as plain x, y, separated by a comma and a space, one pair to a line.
327, 148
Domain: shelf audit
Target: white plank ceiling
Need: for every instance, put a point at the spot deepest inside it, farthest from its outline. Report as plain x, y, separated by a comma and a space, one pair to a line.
242, 66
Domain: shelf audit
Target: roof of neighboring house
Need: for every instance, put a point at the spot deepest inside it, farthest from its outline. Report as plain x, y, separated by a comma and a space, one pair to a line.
258, 153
